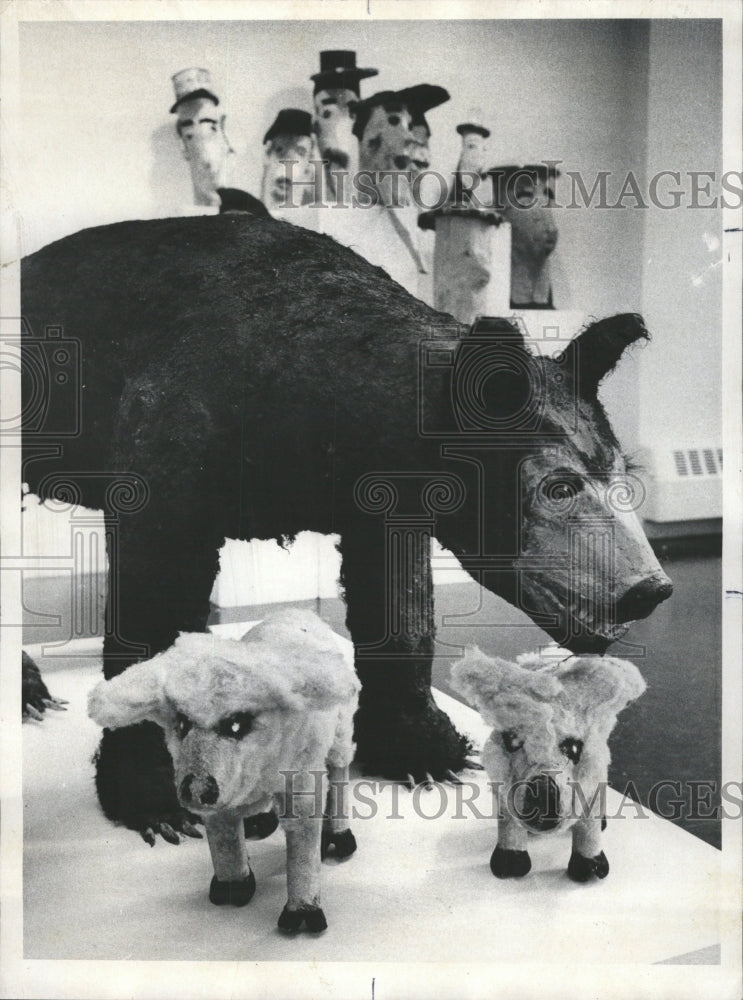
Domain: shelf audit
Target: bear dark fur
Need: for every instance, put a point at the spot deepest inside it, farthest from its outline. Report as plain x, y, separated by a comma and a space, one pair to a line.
248, 373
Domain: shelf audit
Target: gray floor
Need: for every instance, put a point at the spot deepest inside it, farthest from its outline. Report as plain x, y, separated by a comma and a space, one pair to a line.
672, 734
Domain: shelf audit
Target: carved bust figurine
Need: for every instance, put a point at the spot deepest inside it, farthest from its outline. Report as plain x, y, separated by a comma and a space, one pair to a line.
336, 92
289, 154
471, 166
525, 196
393, 138
201, 130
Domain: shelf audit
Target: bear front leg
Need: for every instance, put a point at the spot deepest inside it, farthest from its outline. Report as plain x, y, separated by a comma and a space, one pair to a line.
159, 585
510, 859
587, 859
399, 730
233, 881
302, 823
336, 833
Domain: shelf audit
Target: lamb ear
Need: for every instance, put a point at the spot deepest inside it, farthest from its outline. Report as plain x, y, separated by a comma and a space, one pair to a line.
133, 696
603, 683
331, 683
485, 681
595, 352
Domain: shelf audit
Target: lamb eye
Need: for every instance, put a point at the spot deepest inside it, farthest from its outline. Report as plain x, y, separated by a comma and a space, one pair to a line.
236, 726
183, 725
572, 748
511, 741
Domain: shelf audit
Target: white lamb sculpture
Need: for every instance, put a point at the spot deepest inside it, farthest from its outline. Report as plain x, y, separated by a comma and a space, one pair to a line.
261, 723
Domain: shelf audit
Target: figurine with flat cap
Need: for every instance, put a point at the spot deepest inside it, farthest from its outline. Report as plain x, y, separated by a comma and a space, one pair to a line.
336, 92
471, 167
290, 160
201, 130
525, 197
393, 136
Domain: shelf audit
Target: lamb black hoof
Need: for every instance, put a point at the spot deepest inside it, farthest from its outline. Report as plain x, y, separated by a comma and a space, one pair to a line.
509, 864
261, 825
343, 844
233, 893
312, 917
581, 869
603, 823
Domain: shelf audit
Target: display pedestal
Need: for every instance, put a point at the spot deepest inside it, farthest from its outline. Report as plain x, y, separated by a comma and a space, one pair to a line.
471, 263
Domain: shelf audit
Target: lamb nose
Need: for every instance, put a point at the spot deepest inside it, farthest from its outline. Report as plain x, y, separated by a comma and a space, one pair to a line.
643, 598
541, 804
210, 791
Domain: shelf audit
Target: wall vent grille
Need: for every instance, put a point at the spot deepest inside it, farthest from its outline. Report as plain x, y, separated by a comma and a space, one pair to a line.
698, 461
683, 483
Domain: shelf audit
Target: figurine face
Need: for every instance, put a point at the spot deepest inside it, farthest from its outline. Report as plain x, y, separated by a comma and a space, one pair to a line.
205, 146
387, 143
529, 210
333, 124
474, 150
288, 162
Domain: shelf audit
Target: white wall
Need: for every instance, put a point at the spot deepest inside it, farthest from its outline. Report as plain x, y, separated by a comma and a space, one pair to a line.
680, 376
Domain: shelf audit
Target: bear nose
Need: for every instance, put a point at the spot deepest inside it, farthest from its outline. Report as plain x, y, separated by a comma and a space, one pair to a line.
541, 804
643, 598
204, 792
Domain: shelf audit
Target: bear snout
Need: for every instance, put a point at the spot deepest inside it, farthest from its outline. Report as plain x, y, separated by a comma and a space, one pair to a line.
540, 804
195, 792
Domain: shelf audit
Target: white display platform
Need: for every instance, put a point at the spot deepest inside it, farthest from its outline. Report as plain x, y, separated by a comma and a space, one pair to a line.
417, 889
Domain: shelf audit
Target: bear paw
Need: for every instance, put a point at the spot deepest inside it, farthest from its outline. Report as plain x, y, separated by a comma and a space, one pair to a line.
343, 844
260, 826
312, 917
236, 893
581, 869
509, 864
400, 744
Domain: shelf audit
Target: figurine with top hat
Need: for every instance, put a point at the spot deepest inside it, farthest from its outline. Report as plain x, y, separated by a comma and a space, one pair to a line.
289, 161
336, 92
201, 130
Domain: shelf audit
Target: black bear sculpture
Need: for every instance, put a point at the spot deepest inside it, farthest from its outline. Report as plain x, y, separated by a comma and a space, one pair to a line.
243, 377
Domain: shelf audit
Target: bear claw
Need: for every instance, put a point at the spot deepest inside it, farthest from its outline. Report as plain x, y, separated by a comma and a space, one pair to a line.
581, 869
343, 844
311, 916
509, 864
236, 893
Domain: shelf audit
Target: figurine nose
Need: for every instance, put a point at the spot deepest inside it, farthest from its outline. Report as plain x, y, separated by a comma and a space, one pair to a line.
643, 598
195, 792
541, 804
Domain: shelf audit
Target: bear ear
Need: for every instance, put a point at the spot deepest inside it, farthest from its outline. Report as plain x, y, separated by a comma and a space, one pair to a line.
133, 696
595, 352
489, 681
602, 684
